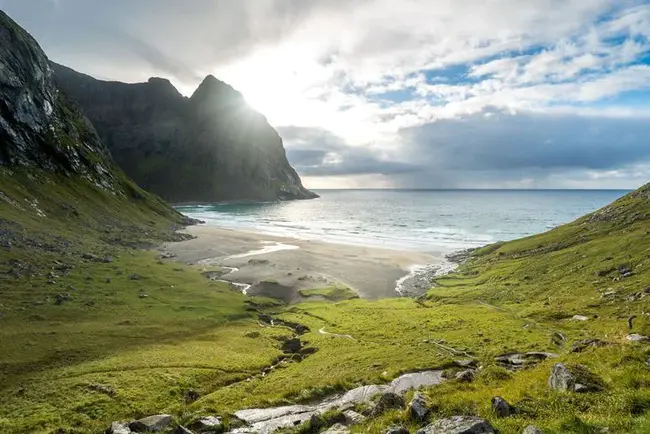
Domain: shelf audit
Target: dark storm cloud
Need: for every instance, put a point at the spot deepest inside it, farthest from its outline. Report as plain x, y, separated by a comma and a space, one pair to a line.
484, 149
318, 152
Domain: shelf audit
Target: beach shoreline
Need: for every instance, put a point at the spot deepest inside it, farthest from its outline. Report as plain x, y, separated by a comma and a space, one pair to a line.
281, 267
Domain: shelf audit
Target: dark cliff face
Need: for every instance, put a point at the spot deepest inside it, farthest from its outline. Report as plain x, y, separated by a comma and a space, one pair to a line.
46, 140
209, 147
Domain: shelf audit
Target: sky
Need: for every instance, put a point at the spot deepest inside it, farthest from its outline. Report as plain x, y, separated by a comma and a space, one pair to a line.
396, 94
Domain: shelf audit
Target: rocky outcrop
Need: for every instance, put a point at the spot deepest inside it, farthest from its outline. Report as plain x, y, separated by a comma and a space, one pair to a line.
459, 425
206, 148
574, 379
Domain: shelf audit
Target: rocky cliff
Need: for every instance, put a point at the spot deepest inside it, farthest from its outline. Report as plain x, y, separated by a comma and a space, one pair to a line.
49, 151
209, 147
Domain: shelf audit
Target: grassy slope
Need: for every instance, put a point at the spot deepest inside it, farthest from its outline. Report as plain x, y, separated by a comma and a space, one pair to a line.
197, 334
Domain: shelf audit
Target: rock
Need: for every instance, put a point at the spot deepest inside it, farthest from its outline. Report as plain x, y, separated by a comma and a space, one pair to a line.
577, 379
292, 346
582, 345
154, 423
61, 298
388, 401
532, 429
191, 395
135, 276
106, 390
108, 259
516, 361
579, 318
466, 376
638, 338
396, 430
143, 294
501, 407
91, 257
353, 418
561, 379
301, 329
465, 363
108, 280
206, 423
181, 430
458, 425
119, 428
418, 408
337, 429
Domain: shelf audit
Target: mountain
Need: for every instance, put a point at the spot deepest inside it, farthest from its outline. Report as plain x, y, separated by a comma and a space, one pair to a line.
206, 148
55, 173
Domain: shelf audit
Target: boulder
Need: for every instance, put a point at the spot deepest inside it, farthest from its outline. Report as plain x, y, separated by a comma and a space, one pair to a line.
582, 345
459, 425
207, 423
388, 401
532, 429
337, 429
514, 361
465, 363
418, 408
396, 430
638, 338
579, 318
181, 430
501, 407
353, 418
576, 379
465, 376
154, 423
119, 428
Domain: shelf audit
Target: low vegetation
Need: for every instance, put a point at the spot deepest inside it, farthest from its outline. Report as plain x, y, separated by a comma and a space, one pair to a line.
124, 334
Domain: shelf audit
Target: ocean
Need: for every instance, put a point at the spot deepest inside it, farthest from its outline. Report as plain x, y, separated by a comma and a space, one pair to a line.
430, 221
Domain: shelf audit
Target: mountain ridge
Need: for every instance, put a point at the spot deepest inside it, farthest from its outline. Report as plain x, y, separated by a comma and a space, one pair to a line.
210, 147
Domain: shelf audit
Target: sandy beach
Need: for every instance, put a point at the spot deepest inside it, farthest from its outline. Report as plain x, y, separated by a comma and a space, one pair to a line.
280, 267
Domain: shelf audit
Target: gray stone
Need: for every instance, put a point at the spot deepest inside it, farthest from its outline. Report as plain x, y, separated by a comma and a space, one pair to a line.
388, 401
532, 429
561, 379
516, 361
415, 380
458, 425
353, 418
292, 346
207, 423
465, 363
582, 345
465, 376
181, 430
119, 428
418, 408
396, 430
337, 429
635, 337
501, 407
153, 423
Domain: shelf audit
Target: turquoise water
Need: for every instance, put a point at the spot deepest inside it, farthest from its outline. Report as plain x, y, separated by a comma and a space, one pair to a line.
428, 221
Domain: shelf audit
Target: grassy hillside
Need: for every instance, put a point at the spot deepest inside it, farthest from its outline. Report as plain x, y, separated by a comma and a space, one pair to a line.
107, 354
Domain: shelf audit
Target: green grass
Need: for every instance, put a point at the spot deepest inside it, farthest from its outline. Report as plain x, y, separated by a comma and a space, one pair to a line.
189, 333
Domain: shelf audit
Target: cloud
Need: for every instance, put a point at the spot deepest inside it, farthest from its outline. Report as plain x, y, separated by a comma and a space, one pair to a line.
417, 93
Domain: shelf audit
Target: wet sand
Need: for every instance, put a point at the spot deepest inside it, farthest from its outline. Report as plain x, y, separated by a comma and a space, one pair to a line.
280, 267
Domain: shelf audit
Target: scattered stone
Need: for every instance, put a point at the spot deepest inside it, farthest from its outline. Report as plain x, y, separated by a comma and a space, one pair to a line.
208, 423
258, 262
579, 318
418, 408
459, 425
192, 395
388, 401
396, 430
106, 390
635, 337
61, 298
465, 363
292, 346
301, 329
514, 361
181, 430
143, 294
166, 255
337, 429
465, 376
108, 280
353, 418
501, 407
51, 282
91, 257
154, 423
108, 259
582, 345
119, 428
577, 379
135, 276
253, 335
532, 429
